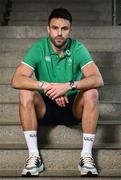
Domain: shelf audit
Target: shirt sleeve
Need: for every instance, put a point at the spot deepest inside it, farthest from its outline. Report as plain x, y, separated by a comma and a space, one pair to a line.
32, 56
83, 56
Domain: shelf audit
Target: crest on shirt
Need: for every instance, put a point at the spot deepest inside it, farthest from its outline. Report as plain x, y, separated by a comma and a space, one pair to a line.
47, 58
69, 61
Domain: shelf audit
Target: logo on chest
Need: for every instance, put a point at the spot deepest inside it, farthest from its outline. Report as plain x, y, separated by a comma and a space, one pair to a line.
69, 61
47, 58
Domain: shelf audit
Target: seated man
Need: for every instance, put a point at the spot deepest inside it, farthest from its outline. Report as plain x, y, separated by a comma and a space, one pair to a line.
65, 90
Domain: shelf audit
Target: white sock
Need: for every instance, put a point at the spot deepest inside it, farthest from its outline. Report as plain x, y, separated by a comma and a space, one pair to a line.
31, 141
88, 140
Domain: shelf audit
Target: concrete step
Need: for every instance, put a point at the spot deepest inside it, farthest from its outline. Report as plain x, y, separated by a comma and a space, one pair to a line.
58, 1
71, 6
22, 146
57, 178
80, 32
108, 94
97, 45
109, 114
42, 15
62, 160
109, 75
59, 137
102, 59
44, 23
60, 175
63, 3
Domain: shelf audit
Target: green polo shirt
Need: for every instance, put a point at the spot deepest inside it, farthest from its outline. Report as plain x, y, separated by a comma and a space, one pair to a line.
48, 66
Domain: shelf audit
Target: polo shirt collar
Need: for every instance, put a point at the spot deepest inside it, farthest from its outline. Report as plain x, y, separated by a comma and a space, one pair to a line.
67, 49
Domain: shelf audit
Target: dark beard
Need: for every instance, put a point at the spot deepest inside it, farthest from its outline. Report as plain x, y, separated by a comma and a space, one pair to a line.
57, 45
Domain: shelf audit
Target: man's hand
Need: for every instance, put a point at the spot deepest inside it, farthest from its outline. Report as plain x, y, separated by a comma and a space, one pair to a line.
56, 90
46, 86
62, 101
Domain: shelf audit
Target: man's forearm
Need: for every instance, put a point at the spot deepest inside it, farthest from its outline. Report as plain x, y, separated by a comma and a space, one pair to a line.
23, 82
90, 82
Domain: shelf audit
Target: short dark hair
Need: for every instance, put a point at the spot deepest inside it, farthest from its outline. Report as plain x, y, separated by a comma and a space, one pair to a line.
60, 13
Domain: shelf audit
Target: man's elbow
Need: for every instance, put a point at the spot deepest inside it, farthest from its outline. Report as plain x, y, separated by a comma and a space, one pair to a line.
100, 82
14, 83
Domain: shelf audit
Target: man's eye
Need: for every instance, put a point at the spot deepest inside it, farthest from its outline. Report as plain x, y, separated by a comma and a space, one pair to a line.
65, 28
54, 27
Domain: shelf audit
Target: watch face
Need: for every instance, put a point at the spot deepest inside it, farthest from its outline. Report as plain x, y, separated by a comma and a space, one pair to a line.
73, 85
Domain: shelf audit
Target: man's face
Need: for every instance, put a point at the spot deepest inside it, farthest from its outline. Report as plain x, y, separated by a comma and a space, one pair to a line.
59, 31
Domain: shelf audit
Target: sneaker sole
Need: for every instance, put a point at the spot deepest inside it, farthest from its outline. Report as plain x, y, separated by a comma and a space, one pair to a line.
28, 173
87, 174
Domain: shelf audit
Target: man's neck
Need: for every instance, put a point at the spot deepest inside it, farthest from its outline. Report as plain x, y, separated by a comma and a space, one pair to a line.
59, 51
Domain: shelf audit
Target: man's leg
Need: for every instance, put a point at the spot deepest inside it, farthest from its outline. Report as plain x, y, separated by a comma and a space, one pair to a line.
31, 107
86, 107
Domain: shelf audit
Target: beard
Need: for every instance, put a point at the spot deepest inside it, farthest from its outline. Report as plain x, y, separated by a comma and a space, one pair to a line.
58, 41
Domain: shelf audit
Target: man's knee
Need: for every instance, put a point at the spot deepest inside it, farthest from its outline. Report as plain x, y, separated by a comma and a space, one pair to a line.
91, 96
26, 97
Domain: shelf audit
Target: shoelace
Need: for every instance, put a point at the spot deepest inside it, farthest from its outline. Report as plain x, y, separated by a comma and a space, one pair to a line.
31, 160
88, 160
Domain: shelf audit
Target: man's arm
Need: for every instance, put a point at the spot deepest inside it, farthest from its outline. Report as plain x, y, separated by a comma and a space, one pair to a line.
22, 79
92, 79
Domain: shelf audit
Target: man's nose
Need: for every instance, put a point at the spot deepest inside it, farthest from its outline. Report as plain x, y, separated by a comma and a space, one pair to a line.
59, 32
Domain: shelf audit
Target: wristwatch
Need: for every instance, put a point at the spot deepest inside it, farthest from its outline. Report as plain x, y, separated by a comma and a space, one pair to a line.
73, 85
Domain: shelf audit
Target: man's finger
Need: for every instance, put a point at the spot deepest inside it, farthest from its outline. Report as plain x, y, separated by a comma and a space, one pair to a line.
66, 99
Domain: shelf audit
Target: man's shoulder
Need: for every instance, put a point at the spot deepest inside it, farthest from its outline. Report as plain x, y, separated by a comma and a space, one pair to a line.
76, 44
40, 43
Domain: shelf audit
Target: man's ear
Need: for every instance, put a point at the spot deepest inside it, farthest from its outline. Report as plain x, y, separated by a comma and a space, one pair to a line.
48, 29
71, 30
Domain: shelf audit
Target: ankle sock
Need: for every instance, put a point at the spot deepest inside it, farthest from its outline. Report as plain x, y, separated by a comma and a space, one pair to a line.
88, 140
31, 141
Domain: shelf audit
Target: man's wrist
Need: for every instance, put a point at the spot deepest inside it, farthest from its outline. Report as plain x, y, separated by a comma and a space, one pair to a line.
68, 86
40, 84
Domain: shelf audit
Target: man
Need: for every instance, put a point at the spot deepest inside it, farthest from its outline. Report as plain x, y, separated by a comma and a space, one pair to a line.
65, 90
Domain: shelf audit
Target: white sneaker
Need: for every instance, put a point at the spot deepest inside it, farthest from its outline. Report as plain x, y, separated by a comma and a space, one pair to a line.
87, 166
33, 166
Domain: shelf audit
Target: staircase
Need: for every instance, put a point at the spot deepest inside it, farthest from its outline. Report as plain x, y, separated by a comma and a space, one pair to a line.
84, 12
60, 146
